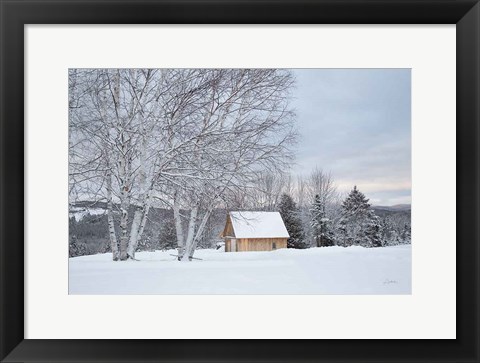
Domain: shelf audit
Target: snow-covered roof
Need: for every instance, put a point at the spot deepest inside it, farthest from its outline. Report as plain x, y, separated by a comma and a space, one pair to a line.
258, 225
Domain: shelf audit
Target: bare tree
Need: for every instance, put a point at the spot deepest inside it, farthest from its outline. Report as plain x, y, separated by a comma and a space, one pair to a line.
321, 184
109, 140
188, 137
245, 127
269, 186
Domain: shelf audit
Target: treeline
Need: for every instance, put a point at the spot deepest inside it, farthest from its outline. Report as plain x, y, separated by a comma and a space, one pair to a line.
314, 212
88, 233
317, 214
351, 223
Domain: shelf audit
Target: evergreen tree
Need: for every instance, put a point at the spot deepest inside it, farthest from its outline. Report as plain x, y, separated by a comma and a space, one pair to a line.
372, 230
406, 234
167, 237
289, 212
389, 233
76, 248
385, 231
395, 231
321, 224
147, 242
359, 224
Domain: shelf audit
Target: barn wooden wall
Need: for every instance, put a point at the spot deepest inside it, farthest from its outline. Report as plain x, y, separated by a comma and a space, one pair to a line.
228, 230
256, 244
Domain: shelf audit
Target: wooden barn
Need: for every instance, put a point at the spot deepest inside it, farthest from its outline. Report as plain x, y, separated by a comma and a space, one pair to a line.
254, 231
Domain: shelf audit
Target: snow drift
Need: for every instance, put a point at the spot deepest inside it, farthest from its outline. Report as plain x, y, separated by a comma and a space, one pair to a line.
327, 270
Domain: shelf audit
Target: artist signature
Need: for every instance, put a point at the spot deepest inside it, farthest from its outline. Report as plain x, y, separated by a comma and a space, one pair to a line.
387, 282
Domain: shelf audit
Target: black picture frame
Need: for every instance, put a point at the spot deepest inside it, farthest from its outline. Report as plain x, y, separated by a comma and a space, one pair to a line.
15, 14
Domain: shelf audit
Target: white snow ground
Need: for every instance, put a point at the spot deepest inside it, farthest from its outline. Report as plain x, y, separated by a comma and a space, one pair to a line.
80, 212
327, 270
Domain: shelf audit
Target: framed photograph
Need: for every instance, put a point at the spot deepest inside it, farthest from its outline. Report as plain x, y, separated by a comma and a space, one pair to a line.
239, 181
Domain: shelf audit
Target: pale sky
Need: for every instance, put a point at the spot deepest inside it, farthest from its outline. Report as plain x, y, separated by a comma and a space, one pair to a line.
356, 123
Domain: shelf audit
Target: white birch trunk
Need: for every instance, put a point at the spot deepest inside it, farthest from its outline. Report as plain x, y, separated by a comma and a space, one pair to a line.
123, 171
139, 217
191, 232
123, 224
178, 227
144, 219
141, 211
133, 241
138, 225
198, 235
111, 223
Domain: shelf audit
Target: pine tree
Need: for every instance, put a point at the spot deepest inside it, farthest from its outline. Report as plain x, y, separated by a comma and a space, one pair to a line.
359, 224
389, 233
321, 224
167, 237
395, 231
76, 248
147, 242
372, 230
289, 212
406, 236
385, 231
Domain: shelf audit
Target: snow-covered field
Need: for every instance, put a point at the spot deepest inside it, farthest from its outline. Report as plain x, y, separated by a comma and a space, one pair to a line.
327, 270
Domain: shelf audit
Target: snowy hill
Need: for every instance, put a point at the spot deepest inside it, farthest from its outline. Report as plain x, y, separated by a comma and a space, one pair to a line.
394, 208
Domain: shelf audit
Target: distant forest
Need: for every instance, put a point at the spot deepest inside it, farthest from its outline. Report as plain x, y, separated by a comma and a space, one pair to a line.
88, 233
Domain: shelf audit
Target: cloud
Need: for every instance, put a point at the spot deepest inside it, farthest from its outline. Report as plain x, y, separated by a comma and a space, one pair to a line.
356, 123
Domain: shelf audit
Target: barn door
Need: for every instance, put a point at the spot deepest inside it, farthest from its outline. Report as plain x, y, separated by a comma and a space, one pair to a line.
233, 245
